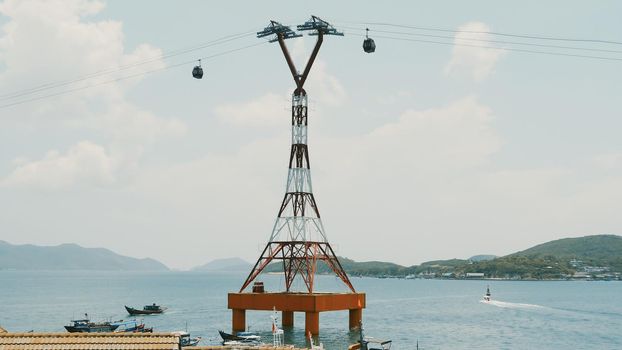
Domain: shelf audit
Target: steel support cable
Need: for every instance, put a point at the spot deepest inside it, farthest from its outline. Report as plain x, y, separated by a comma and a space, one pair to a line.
524, 36
494, 47
129, 76
485, 40
111, 70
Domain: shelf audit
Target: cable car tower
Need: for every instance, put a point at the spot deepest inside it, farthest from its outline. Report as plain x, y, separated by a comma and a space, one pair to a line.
298, 239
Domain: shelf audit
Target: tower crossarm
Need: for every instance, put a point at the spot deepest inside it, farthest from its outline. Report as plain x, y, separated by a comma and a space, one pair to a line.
277, 29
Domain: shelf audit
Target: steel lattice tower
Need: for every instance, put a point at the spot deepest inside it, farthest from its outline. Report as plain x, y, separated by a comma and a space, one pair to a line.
298, 237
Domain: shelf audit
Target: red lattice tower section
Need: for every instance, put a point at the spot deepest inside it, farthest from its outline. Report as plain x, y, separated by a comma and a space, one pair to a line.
298, 238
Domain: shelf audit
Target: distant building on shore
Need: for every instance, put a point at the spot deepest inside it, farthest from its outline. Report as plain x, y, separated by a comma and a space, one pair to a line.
474, 275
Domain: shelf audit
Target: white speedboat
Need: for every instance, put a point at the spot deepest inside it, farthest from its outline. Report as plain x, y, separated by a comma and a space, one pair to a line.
487, 295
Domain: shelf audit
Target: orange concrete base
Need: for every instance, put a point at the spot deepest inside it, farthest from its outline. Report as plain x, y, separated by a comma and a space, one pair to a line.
309, 303
356, 316
238, 321
312, 323
288, 318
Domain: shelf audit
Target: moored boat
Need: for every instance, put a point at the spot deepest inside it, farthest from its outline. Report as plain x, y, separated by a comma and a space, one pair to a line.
86, 326
132, 326
186, 340
147, 310
242, 337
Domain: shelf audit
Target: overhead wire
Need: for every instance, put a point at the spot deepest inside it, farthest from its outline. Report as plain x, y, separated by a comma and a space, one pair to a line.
495, 48
524, 36
486, 40
228, 38
111, 70
129, 76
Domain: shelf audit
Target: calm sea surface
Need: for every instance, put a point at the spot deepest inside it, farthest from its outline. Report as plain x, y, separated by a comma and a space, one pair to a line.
440, 314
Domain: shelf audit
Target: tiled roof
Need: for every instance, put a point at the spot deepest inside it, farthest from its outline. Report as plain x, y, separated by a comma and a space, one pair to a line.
89, 341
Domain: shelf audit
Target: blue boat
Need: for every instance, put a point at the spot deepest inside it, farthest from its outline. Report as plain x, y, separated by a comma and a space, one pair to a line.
132, 326
86, 326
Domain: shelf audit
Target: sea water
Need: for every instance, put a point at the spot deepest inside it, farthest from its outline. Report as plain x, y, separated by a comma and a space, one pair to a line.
439, 314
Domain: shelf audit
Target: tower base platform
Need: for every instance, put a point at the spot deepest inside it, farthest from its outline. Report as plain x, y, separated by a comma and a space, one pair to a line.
288, 303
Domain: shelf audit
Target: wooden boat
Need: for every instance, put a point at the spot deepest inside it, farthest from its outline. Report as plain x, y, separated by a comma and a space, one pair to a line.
147, 310
86, 326
132, 326
186, 340
243, 337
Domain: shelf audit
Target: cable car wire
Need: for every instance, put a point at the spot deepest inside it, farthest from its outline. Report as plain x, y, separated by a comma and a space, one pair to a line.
524, 36
129, 76
495, 48
487, 40
228, 38
111, 70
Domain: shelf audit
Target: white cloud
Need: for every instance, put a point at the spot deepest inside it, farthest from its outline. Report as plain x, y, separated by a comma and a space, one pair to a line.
475, 62
85, 163
266, 110
51, 41
127, 123
270, 109
407, 163
56, 41
608, 161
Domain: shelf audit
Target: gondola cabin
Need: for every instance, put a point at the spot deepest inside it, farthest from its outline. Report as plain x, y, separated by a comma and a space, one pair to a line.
197, 72
369, 45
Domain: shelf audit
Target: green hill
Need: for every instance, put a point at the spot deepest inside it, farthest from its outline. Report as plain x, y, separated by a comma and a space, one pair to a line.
70, 257
595, 250
544, 261
354, 268
553, 259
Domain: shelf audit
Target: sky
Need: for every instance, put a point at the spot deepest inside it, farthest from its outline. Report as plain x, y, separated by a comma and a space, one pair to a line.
419, 151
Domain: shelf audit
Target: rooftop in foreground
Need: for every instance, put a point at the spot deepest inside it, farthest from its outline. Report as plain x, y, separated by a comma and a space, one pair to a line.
89, 341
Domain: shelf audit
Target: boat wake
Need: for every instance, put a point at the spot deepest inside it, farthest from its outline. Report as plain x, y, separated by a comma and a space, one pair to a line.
506, 305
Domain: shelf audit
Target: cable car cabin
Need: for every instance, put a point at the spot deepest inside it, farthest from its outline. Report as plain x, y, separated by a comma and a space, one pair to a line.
369, 45
197, 72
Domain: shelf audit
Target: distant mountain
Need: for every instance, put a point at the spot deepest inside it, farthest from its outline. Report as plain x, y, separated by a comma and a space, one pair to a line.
70, 257
229, 264
478, 258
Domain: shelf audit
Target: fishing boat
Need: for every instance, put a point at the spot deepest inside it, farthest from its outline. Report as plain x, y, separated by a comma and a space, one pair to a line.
132, 326
147, 310
86, 326
487, 295
186, 340
242, 337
